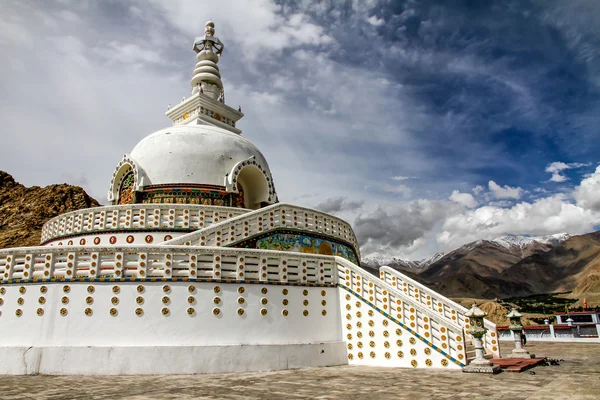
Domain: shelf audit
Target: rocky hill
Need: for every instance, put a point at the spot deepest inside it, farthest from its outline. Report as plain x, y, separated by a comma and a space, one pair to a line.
23, 210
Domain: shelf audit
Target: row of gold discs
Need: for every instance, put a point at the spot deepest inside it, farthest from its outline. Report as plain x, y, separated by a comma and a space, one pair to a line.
386, 343
264, 301
165, 300
65, 300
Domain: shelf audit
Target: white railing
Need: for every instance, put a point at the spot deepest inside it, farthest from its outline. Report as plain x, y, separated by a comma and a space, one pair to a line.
275, 216
442, 306
136, 216
442, 332
147, 262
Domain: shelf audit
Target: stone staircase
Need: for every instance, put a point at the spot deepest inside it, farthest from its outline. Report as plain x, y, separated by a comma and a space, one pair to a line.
440, 305
433, 341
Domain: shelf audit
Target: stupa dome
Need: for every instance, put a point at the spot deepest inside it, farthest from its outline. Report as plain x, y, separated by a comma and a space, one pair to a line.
192, 154
194, 163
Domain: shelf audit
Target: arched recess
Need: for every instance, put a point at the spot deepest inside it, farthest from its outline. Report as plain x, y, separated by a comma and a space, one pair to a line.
255, 182
127, 178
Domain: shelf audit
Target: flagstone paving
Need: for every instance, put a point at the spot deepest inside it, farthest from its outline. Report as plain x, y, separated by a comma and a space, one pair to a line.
577, 377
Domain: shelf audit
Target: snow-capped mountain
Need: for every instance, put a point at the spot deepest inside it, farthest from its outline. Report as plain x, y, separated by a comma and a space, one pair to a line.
524, 241
394, 262
518, 244
510, 265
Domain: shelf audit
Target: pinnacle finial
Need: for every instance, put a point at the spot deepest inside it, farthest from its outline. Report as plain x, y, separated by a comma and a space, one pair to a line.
209, 29
209, 43
206, 78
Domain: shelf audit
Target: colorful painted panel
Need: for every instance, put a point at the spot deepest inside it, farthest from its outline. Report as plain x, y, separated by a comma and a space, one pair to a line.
126, 189
182, 196
305, 244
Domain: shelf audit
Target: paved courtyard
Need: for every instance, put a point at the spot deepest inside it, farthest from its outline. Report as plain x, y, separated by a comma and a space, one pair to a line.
577, 377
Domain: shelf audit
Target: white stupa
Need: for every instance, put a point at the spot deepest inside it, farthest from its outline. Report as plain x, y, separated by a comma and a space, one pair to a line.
197, 267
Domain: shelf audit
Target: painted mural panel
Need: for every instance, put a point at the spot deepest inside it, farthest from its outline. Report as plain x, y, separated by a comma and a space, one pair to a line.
187, 196
305, 244
126, 189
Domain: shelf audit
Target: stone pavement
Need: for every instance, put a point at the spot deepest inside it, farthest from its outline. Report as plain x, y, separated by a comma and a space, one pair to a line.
577, 377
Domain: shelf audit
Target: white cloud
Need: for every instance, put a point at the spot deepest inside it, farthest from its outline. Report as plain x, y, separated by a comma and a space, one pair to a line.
395, 189
465, 199
478, 189
587, 193
131, 53
258, 25
402, 178
557, 177
542, 217
373, 20
504, 192
556, 167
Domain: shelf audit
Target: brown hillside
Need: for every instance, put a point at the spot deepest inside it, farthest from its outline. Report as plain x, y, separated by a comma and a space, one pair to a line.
474, 271
23, 211
486, 270
573, 265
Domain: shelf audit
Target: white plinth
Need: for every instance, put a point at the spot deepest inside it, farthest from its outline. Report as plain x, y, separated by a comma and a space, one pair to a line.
168, 359
519, 354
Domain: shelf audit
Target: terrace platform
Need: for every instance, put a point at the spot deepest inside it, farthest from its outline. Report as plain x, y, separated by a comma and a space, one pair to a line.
575, 378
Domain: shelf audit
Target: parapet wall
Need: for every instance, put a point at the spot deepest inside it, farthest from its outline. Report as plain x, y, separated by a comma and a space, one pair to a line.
172, 297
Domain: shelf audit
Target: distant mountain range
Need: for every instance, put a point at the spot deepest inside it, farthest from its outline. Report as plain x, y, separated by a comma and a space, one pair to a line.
509, 266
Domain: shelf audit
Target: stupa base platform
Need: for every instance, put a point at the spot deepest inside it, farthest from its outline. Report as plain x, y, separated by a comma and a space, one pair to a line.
148, 360
517, 364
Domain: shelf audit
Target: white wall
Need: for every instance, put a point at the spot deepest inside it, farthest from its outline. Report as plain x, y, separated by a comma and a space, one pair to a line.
167, 359
178, 328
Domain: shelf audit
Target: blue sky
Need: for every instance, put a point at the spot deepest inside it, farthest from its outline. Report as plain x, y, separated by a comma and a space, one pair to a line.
426, 124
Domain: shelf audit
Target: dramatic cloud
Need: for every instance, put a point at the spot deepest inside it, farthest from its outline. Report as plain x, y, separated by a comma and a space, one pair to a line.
338, 204
396, 229
348, 101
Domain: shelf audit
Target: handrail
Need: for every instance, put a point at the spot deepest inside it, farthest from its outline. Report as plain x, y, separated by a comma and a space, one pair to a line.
136, 217
278, 215
446, 308
156, 261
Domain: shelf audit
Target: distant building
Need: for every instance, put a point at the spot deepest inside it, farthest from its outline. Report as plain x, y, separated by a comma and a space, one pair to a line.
578, 317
